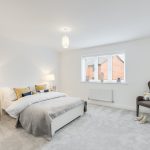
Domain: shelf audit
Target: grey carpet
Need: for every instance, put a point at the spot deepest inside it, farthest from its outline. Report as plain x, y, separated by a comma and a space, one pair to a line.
102, 128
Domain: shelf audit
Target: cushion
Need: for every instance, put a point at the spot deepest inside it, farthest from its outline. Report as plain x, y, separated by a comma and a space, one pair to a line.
26, 94
43, 91
47, 90
40, 87
32, 89
33, 92
147, 96
144, 103
20, 91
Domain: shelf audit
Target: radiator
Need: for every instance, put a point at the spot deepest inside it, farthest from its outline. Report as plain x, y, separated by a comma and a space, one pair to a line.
101, 95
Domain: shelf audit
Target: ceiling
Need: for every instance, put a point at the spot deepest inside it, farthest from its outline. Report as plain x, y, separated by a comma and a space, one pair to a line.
93, 22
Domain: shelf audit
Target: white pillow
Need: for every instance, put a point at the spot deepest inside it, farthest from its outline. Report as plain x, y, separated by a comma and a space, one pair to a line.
147, 96
32, 89
8, 95
41, 91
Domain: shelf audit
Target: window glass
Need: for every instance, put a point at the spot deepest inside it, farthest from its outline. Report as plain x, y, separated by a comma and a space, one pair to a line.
118, 67
108, 68
90, 68
102, 68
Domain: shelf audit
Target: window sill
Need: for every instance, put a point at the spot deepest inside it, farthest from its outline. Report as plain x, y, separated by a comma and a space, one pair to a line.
105, 82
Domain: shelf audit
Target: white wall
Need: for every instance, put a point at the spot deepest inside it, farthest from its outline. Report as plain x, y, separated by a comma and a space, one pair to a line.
25, 65
137, 72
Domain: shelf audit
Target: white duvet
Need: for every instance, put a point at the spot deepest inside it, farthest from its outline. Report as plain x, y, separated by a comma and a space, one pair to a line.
19, 105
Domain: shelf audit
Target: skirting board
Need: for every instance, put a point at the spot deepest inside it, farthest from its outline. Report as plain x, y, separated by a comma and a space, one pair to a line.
113, 105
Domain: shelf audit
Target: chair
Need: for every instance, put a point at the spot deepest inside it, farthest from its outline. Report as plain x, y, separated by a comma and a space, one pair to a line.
141, 102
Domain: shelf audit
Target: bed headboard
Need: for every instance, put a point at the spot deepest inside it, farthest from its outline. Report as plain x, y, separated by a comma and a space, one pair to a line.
6, 97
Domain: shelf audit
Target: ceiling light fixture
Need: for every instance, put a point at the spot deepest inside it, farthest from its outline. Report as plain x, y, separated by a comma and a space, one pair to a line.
65, 38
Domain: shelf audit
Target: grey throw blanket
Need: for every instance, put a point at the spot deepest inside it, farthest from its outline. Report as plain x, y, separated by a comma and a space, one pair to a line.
36, 119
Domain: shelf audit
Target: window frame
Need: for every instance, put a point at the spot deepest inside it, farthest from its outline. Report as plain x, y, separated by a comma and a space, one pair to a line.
83, 80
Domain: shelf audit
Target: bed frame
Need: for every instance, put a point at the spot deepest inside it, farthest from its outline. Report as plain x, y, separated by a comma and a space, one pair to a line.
66, 118
63, 119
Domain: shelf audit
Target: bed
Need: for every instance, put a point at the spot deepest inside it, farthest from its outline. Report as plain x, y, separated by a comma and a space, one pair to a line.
43, 114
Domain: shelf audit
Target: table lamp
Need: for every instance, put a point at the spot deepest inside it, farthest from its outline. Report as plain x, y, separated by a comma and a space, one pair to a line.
51, 78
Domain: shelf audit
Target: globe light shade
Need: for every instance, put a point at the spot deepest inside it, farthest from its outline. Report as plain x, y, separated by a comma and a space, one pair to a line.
65, 41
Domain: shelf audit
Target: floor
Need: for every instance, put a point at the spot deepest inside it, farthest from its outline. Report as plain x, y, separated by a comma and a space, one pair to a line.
102, 128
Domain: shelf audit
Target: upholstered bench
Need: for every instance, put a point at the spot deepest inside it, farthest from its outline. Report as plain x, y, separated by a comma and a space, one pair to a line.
141, 102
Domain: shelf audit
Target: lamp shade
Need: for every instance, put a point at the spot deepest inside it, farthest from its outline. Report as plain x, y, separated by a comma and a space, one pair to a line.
50, 77
65, 41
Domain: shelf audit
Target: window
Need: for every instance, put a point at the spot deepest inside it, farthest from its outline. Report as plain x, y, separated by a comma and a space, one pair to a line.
108, 68
90, 68
103, 68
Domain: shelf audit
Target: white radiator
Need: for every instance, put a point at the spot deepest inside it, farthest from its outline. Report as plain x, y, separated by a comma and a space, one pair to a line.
101, 95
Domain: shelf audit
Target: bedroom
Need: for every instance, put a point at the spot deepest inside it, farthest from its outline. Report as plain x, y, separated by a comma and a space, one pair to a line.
33, 41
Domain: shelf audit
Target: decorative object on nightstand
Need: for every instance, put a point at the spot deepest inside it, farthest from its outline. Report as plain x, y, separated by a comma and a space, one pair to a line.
118, 80
51, 78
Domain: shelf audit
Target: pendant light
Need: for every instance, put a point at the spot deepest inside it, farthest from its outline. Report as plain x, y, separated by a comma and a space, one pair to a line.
65, 38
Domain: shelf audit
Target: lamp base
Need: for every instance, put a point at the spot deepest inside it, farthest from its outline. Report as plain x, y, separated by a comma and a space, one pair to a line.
53, 88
